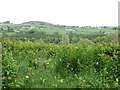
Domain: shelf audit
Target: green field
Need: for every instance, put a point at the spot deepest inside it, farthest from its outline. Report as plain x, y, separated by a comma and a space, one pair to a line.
50, 28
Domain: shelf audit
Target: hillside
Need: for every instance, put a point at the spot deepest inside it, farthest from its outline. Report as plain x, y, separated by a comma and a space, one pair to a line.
37, 23
10, 28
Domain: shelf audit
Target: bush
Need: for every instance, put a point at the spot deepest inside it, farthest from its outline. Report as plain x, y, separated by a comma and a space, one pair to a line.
22, 60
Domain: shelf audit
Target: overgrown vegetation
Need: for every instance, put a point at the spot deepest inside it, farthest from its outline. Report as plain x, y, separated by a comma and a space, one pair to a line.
35, 59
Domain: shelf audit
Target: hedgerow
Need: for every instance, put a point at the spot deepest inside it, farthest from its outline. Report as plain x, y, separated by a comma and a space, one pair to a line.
24, 63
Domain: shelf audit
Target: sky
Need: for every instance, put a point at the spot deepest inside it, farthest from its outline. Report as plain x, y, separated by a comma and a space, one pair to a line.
62, 12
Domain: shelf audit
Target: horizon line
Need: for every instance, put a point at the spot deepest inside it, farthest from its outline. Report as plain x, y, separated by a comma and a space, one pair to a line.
62, 24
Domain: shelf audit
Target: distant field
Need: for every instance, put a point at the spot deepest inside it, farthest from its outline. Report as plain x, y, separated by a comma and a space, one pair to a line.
79, 30
50, 28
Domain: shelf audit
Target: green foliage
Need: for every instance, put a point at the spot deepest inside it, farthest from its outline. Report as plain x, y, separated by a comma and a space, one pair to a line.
39, 65
43, 55
65, 39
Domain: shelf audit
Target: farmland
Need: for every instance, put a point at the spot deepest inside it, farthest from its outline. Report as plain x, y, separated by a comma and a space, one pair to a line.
42, 55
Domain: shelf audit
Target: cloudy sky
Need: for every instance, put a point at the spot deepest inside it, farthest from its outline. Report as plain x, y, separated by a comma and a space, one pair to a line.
63, 12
